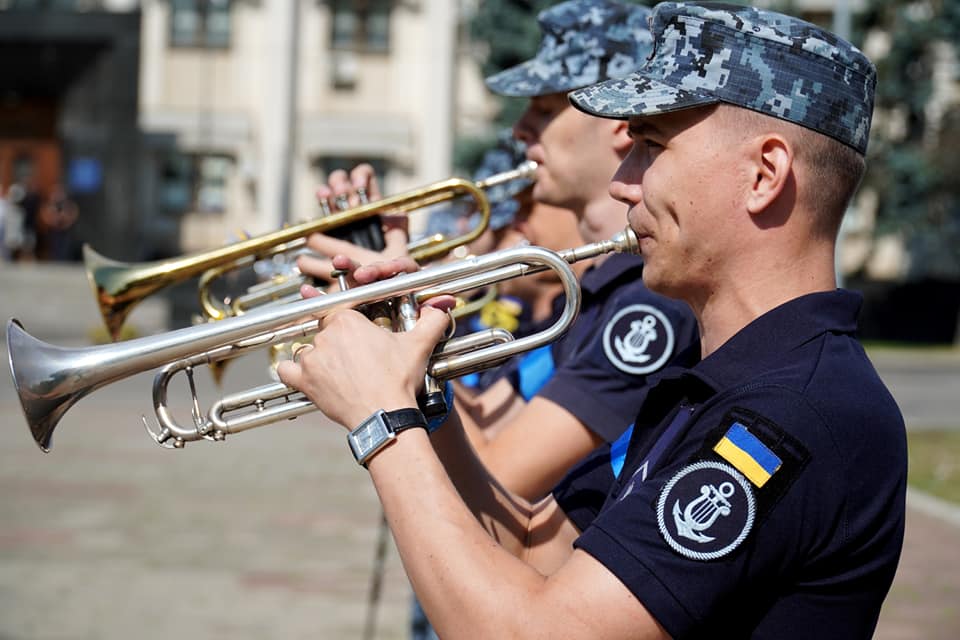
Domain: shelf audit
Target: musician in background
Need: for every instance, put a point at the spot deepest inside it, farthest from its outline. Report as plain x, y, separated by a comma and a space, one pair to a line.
583, 391
541, 296
522, 306
762, 493
502, 311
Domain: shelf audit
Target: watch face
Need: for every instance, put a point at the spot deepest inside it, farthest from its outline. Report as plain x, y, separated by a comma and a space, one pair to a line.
380, 429
372, 433
369, 437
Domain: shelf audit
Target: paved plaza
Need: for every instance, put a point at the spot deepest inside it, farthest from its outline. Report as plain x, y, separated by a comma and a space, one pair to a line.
272, 534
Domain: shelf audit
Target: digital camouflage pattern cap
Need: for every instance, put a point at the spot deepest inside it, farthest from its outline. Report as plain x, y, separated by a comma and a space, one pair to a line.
584, 42
705, 53
505, 156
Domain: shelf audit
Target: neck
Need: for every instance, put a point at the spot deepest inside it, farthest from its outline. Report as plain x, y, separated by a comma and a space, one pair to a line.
737, 301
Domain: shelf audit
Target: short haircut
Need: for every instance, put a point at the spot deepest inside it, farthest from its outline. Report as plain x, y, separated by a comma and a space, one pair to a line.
834, 169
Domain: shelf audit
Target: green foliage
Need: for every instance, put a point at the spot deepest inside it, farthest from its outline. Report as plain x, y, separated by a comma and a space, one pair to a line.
468, 153
912, 160
509, 34
510, 29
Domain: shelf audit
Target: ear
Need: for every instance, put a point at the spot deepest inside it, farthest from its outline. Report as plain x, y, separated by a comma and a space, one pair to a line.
622, 143
771, 163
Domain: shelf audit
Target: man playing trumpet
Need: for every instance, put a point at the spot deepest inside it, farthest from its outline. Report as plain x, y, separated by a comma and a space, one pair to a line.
762, 493
546, 418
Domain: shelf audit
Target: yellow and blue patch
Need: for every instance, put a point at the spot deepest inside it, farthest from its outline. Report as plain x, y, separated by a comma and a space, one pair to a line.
748, 455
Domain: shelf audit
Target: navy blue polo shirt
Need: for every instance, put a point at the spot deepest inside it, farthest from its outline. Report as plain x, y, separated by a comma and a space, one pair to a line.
623, 334
762, 491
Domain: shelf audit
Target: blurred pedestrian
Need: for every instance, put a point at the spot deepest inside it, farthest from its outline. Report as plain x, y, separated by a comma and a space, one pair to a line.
57, 220
12, 217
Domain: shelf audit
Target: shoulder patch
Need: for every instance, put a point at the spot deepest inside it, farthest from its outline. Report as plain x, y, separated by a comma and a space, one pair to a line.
638, 339
765, 453
706, 510
748, 454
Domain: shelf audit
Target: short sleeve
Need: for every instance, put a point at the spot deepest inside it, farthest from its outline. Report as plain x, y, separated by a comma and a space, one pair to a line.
601, 380
583, 491
699, 541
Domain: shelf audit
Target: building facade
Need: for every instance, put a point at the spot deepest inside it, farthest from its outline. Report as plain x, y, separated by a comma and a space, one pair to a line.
247, 106
68, 117
179, 125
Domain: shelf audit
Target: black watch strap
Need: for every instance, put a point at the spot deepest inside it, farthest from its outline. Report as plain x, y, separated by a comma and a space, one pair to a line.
402, 419
380, 429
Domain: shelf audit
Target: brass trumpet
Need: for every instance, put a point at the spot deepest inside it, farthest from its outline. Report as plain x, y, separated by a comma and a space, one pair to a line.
118, 286
51, 379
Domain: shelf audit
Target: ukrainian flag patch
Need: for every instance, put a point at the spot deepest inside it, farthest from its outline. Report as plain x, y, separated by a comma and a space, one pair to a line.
748, 455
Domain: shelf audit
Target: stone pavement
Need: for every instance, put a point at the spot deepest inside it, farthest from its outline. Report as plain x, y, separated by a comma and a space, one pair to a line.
272, 533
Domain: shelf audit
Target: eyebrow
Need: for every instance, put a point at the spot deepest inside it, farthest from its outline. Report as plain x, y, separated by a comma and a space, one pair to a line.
637, 127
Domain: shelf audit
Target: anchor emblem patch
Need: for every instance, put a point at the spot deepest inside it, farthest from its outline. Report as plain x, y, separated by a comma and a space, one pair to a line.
638, 339
712, 509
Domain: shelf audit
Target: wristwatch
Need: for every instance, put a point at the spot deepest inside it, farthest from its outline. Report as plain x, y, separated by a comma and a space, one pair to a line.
380, 429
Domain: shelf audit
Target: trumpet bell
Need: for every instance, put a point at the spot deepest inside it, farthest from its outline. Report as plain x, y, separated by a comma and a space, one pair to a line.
45, 387
118, 286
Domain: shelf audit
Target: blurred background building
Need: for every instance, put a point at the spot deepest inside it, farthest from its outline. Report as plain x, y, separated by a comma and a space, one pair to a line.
177, 125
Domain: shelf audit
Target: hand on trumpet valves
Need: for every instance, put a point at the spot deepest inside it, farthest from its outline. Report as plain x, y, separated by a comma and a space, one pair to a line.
345, 191
356, 368
323, 245
359, 274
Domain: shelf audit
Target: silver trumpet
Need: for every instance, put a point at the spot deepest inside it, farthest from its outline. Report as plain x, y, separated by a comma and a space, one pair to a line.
50, 379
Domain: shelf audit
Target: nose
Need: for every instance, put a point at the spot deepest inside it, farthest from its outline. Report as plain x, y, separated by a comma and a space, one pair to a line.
523, 128
625, 186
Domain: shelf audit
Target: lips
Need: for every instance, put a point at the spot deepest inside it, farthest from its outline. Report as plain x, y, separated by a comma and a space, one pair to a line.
638, 228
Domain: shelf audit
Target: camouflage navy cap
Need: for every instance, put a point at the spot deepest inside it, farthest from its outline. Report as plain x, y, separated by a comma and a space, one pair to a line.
584, 42
705, 53
505, 156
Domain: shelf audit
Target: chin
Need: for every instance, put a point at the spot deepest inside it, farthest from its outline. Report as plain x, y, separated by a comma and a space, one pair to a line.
544, 194
654, 281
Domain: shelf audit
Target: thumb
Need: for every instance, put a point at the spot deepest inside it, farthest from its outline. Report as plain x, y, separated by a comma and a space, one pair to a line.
309, 291
328, 245
290, 374
432, 326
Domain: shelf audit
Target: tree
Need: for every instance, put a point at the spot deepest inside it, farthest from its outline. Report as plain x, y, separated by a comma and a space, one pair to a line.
913, 159
505, 33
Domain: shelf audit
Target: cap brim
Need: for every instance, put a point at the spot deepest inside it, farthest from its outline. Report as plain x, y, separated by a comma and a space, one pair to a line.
527, 80
635, 95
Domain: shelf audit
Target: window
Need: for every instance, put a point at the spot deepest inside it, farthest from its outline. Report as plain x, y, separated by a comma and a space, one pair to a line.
361, 25
200, 23
194, 182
